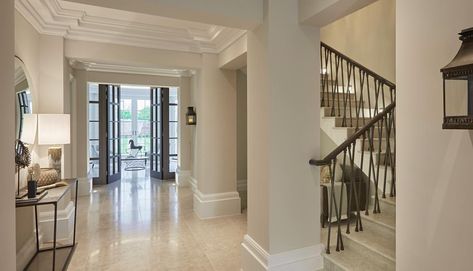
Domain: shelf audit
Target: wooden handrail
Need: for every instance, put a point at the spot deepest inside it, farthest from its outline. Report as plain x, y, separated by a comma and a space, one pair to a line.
328, 159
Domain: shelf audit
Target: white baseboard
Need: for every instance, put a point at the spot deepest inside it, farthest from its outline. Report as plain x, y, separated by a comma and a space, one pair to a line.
193, 183
242, 185
216, 205
255, 258
183, 177
27, 251
65, 223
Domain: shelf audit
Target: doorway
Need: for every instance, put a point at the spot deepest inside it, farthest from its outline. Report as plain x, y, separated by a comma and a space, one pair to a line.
132, 128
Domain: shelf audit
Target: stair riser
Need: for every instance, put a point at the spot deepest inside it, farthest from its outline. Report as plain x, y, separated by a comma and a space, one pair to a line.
342, 104
337, 95
350, 122
376, 145
376, 133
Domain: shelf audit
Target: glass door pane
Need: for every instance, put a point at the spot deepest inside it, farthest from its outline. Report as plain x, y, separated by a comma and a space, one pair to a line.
173, 127
156, 135
94, 131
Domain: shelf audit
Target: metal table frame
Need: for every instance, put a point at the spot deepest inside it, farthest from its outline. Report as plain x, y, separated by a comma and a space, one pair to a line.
54, 202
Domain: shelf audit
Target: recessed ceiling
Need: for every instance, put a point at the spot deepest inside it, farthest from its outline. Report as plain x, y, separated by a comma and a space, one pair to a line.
77, 21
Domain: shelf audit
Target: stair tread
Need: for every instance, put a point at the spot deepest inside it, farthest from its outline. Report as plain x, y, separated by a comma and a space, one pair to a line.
386, 219
389, 200
355, 258
377, 238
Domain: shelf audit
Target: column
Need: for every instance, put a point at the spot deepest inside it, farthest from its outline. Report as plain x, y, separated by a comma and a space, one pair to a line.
283, 134
215, 141
7, 111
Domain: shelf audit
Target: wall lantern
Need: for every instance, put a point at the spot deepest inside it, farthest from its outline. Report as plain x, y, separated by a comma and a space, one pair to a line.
458, 86
191, 116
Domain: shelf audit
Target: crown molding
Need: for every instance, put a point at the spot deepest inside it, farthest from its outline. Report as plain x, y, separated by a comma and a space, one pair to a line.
102, 67
90, 23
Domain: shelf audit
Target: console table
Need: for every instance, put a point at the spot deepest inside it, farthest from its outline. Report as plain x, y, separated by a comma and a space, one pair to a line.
40, 260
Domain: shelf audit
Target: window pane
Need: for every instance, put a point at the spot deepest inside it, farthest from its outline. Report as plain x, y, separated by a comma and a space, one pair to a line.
94, 168
173, 129
172, 146
93, 92
173, 113
93, 130
172, 163
94, 149
173, 95
93, 111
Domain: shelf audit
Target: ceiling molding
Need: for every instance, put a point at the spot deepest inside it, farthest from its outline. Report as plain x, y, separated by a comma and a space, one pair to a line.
90, 23
103, 67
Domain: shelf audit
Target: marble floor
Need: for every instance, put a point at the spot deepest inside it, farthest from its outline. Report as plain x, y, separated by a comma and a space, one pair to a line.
145, 224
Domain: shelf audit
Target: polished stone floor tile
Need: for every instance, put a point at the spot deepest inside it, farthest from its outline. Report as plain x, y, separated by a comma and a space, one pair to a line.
140, 223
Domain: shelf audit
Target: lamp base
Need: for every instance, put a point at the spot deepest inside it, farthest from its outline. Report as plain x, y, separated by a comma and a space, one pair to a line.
54, 157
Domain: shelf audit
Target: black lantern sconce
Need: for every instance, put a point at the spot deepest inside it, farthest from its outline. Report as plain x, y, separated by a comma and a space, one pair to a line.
191, 116
458, 86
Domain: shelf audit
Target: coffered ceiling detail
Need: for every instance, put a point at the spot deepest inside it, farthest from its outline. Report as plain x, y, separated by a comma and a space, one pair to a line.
77, 21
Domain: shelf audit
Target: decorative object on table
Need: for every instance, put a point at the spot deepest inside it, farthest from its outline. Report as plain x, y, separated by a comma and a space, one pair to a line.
36, 171
458, 84
54, 129
32, 184
326, 177
47, 176
22, 159
191, 116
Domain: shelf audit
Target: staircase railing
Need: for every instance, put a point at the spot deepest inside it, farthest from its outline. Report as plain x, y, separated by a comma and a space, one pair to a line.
363, 100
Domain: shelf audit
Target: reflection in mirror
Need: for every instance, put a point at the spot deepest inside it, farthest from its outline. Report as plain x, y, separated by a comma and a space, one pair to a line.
23, 101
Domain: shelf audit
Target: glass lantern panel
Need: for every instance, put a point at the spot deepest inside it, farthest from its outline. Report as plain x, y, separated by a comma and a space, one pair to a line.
456, 97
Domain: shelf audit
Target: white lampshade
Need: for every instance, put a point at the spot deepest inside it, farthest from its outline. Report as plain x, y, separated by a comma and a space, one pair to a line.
54, 129
28, 130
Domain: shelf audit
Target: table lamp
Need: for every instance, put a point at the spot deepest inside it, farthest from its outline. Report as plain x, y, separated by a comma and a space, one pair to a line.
54, 129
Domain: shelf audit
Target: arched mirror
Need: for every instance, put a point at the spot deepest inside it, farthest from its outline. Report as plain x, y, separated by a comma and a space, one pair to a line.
23, 99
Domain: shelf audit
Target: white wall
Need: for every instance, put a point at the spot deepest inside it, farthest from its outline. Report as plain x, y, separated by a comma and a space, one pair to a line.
216, 128
185, 139
26, 47
129, 55
283, 134
80, 107
368, 36
7, 111
434, 166
242, 135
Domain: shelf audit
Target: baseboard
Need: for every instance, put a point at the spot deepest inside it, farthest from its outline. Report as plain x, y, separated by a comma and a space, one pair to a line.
65, 223
216, 205
254, 257
242, 185
183, 177
193, 183
27, 251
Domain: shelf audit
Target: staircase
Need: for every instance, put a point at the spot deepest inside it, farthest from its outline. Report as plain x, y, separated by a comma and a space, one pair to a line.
358, 114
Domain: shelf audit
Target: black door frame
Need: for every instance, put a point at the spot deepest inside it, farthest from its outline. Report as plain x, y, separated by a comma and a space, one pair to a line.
159, 157
109, 134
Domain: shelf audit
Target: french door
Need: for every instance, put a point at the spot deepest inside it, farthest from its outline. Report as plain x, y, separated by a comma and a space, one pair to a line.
105, 132
161, 137
109, 134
